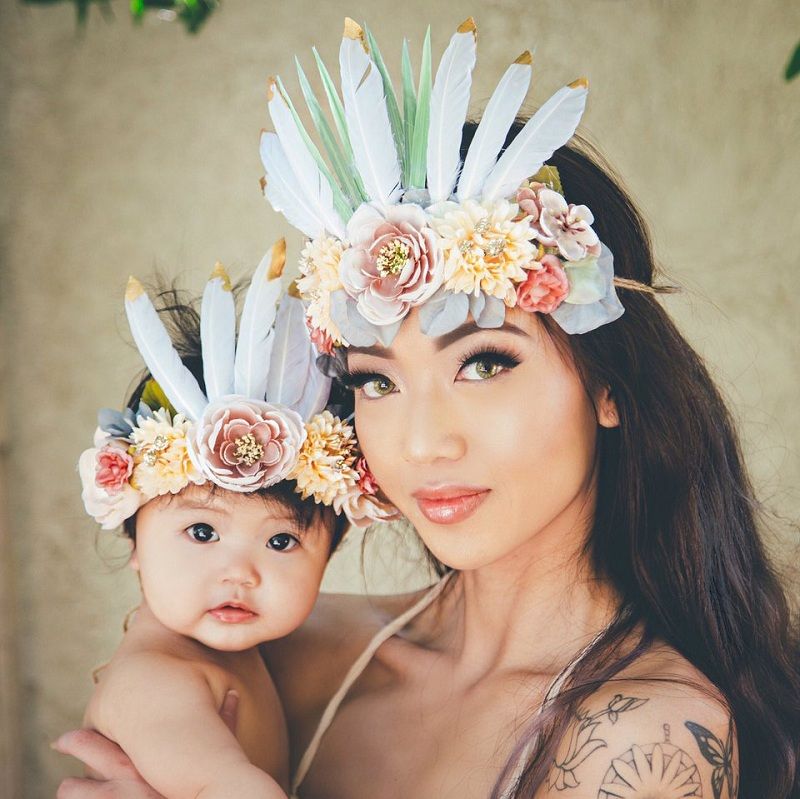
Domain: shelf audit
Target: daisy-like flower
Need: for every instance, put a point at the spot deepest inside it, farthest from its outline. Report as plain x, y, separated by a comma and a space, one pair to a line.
325, 466
319, 270
160, 452
485, 246
663, 773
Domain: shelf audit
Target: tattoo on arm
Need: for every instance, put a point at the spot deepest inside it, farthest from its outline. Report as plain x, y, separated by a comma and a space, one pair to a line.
583, 740
720, 756
654, 770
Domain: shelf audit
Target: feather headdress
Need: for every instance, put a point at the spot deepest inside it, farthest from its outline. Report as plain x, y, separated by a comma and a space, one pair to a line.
258, 418
396, 220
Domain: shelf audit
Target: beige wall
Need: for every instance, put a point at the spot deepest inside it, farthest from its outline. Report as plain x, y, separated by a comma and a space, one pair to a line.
127, 148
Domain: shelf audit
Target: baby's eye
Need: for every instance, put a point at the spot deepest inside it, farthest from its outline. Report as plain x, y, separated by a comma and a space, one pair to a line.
282, 542
202, 533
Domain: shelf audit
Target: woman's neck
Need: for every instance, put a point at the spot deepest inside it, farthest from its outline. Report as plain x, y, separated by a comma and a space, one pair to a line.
534, 609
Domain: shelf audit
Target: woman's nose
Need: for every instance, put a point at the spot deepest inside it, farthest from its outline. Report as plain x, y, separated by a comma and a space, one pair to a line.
431, 432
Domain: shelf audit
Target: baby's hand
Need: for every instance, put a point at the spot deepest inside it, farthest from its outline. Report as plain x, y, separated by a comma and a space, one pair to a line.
117, 778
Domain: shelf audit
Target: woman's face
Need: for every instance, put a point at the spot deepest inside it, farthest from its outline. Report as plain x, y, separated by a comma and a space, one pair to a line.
227, 569
484, 439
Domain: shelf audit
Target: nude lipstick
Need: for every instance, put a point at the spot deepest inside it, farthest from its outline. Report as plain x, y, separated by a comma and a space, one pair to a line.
450, 504
233, 613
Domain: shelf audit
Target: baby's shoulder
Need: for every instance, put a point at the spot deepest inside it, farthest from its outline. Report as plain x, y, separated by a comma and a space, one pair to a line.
660, 728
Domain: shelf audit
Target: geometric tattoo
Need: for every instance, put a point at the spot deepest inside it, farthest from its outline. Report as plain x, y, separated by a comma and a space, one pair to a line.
719, 755
659, 770
583, 741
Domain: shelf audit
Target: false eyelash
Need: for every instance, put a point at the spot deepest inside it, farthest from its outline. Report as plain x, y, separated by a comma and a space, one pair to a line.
356, 378
504, 357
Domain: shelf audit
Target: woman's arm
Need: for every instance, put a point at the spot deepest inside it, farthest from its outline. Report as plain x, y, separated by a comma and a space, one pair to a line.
632, 741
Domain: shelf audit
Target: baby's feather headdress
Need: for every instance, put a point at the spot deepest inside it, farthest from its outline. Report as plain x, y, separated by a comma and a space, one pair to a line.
261, 418
395, 220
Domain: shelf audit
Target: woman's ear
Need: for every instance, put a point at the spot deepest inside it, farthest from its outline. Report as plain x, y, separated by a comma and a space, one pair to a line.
607, 415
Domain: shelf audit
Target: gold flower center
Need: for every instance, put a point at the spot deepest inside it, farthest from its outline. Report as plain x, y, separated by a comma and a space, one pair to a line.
392, 257
248, 450
152, 451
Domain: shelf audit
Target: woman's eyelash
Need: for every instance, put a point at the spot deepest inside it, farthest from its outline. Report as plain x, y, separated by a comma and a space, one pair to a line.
504, 358
356, 379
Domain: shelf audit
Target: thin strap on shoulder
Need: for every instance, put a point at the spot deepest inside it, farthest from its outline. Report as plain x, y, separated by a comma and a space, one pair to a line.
355, 672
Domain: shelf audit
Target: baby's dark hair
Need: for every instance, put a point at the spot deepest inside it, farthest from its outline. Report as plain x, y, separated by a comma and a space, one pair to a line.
180, 315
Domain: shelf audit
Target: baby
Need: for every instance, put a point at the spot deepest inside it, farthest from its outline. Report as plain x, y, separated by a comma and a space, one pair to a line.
234, 485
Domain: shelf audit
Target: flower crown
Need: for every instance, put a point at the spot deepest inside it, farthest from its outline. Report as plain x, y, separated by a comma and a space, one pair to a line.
396, 220
261, 419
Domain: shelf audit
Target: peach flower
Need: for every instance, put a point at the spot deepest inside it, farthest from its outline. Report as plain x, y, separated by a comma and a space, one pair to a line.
545, 288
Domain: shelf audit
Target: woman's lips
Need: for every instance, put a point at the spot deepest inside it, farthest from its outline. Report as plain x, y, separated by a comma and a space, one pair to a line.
233, 613
449, 504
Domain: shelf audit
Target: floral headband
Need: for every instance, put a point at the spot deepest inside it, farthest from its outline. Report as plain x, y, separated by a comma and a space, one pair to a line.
397, 221
261, 419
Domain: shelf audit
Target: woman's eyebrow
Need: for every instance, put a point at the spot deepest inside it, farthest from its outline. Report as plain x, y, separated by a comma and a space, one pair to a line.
470, 328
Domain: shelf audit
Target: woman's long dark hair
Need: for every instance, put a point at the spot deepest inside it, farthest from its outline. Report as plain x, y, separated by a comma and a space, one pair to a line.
676, 524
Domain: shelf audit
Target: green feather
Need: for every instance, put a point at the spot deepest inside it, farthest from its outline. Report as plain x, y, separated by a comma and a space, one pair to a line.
154, 397
343, 207
339, 120
391, 98
343, 169
419, 144
409, 111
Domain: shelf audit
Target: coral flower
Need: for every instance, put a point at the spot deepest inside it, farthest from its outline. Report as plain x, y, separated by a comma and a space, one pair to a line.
545, 288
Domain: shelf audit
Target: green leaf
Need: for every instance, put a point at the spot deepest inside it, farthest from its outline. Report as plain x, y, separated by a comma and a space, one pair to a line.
550, 177
409, 111
793, 67
154, 397
422, 118
341, 166
391, 98
340, 202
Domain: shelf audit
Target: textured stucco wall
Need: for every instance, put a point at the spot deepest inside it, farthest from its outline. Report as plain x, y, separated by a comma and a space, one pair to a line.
128, 148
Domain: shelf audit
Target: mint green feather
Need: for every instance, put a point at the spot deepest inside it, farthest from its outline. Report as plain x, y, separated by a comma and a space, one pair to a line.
419, 143
409, 110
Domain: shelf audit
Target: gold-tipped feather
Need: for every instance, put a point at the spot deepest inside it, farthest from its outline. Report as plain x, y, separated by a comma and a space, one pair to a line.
524, 57
581, 83
278, 261
220, 271
134, 289
352, 30
468, 26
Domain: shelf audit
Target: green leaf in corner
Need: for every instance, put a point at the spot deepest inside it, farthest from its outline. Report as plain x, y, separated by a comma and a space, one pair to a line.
793, 67
550, 177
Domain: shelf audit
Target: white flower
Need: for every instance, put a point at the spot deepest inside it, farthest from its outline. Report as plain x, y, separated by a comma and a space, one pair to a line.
319, 270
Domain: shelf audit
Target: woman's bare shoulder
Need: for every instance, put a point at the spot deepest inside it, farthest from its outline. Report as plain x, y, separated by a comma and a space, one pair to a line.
660, 728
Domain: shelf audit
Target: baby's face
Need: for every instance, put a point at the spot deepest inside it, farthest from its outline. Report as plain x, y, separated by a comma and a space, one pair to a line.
228, 569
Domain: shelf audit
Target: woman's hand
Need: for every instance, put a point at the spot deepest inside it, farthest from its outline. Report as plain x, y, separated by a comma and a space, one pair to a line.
117, 778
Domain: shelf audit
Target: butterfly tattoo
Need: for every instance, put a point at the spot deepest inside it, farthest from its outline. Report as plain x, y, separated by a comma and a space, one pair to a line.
719, 755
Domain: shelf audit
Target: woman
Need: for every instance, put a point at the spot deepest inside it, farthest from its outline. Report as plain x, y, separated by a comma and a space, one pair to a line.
608, 624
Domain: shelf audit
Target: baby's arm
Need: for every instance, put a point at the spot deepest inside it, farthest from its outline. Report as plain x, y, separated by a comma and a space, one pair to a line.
162, 712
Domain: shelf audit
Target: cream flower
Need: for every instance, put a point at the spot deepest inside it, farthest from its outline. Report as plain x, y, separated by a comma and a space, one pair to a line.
163, 464
363, 509
485, 247
319, 270
325, 468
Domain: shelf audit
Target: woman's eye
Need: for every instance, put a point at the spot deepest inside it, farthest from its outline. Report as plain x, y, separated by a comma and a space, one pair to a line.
377, 387
202, 533
283, 542
482, 369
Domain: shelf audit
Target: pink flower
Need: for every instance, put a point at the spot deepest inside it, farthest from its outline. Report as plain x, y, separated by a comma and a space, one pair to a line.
243, 444
364, 509
366, 480
394, 262
545, 288
559, 224
322, 341
114, 467
526, 200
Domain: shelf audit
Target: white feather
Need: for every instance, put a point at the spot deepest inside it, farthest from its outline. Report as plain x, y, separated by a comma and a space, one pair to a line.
493, 128
283, 191
548, 129
288, 368
316, 390
254, 345
218, 337
164, 363
314, 184
368, 123
449, 103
